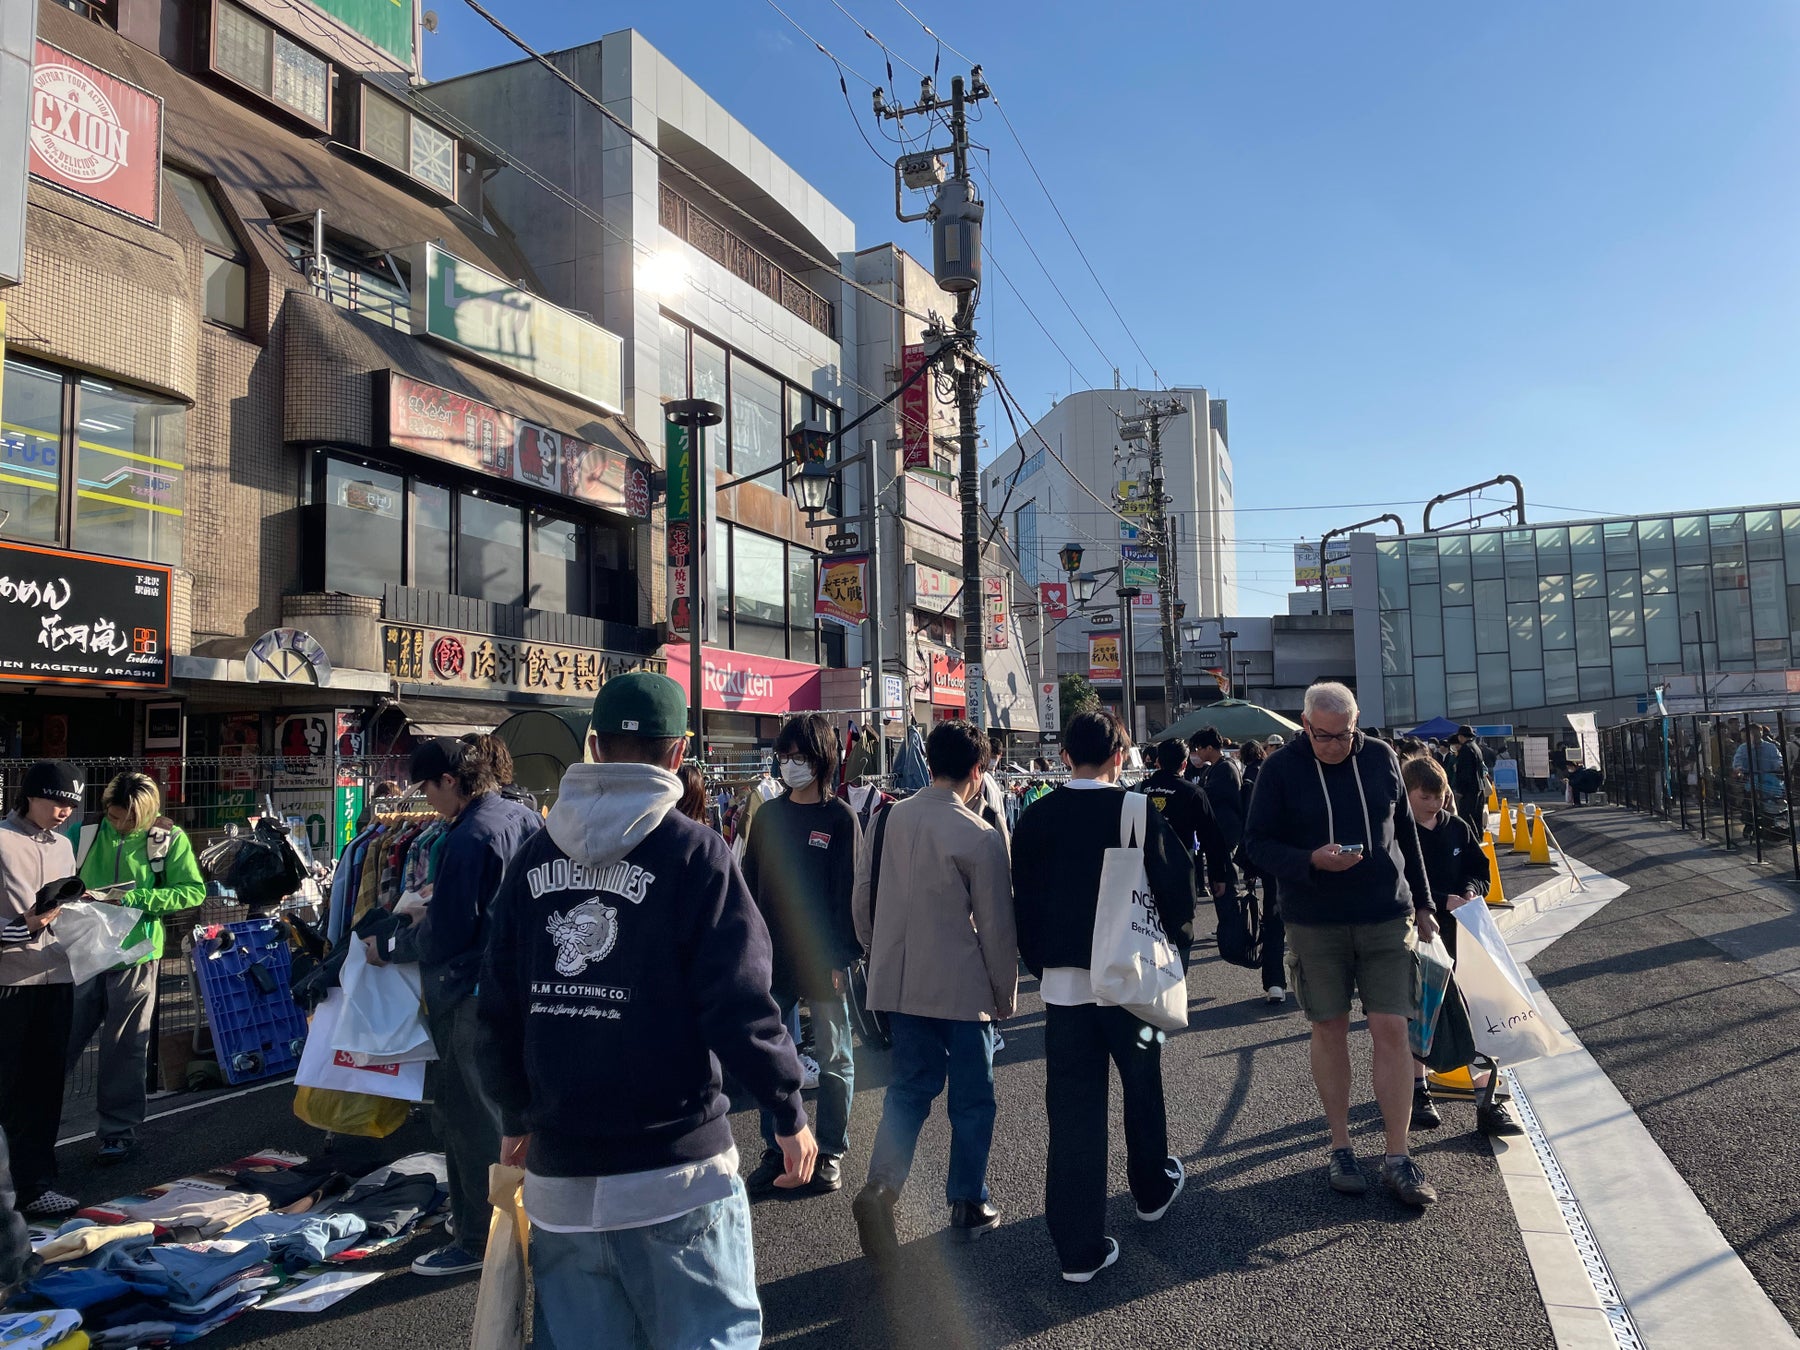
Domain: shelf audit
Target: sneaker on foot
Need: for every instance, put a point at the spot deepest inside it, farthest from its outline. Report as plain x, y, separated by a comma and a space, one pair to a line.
762, 1177
52, 1205
450, 1260
1407, 1181
969, 1219
1345, 1174
828, 1176
809, 1073
114, 1151
1274, 994
1177, 1175
1083, 1276
1424, 1111
873, 1210
1496, 1121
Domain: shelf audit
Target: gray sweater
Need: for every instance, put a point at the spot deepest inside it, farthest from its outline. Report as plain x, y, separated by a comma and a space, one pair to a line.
29, 860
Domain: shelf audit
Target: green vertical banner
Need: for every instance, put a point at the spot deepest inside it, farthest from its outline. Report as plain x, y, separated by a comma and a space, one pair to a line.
348, 811
684, 553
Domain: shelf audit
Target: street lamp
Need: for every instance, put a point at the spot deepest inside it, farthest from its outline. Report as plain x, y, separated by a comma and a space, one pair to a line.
1082, 585
812, 471
693, 416
1069, 555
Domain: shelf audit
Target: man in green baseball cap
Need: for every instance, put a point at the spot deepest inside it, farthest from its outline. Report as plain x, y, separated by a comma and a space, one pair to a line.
627, 962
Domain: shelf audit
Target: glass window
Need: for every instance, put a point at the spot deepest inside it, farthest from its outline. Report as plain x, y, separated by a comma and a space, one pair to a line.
1626, 621
1453, 567
1655, 537
1589, 584
433, 157
1591, 628
1421, 566
1459, 638
1559, 678
1558, 613
241, 48
1484, 556
1621, 544
1762, 532
709, 373
673, 375
1659, 579
1662, 630
718, 552
1427, 626
1521, 577
1462, 694
1025, 539
31, 452
1397, 694
1768, 599
223, 267
1390, 575
490, 553
1428, 687
1595, 682
1495, 684
401, 139
559, 565
1490, 616
759, 594
1731, 611
363, 528
432, 537
1528, 689
1629, 672
1523, 644
1396, 642
614, 575
756, 430
1553, 549
131, 473
272, 64
803, 636
384, 130
1585, 545
1690, 539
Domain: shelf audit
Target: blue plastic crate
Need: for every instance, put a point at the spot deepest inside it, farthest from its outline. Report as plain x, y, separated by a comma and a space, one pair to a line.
258, 1035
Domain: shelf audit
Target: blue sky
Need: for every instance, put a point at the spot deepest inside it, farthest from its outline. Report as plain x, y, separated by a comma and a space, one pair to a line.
1414, 245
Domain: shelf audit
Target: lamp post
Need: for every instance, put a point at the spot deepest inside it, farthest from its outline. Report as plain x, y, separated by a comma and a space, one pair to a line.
1227, 637
1082, 586
1244, 670
693, 416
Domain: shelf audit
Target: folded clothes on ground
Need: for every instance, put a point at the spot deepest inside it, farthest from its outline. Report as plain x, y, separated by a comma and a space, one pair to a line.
185, 1273
297, 1240
391, 1199
37, 1330
189, 1209
83, 1237
287, 1180
78, 1289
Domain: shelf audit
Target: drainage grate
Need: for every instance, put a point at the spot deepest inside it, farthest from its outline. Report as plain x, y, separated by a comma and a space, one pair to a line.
1624, 1330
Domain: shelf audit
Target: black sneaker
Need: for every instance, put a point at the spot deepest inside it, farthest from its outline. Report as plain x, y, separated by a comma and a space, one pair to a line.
969, 1219
1177, 1175
1424, 1111
1494, 1120
761, 1180
1083, 1276
828, 1176
114, 1151
1345, 1173
1405, 1179
873, 1210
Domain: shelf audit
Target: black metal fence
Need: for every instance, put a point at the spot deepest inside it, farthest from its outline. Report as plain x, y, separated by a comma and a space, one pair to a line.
1728, 775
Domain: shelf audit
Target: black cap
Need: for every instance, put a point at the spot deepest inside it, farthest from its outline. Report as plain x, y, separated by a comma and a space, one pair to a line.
433, 759
54, 780
1466, 731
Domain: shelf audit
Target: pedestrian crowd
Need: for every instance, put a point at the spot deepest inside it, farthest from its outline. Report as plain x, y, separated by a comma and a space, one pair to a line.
595, 980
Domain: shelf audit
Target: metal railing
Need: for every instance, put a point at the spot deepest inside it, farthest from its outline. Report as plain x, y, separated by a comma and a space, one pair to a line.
1700, 771
683, 219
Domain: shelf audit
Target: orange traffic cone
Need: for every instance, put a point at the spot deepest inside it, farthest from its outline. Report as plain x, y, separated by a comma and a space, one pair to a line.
1522, 835
1455, 1083
1496, 895
1540, 840
1506, 824
1493, 798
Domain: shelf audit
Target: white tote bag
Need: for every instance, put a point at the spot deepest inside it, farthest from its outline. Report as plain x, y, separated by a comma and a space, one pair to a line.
382, 1020
92, 938
1505, 1019
322, 1066
1134, 965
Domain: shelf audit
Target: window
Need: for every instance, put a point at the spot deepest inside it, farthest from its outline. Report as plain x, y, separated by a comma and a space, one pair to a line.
1524, 645
31, 452
718, 553
1428, 687
363, 524
1397, 694
1560, 684
1459, 638
1390, 576
253, 54
559, 565
759, 594
1025, 539
709, 370
373, 284
1396, 642
1592, 644
223, 267
756, 430
433, 537
1463, 695
1558, 615
401, 139
674, 360
131, 472
803, 628
1490, 616
490, 550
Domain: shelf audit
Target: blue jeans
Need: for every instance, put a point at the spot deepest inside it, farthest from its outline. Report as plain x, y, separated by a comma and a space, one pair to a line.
680, 1285
927, 1050
837, 1076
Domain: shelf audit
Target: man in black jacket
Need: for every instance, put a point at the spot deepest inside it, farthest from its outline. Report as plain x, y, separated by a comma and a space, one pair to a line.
1059, 848
1330, 819
1190, 814
627, 963
1222, 782
1469, 779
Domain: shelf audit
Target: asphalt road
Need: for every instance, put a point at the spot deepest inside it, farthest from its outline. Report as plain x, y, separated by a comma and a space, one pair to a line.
1673, 989
1257, 1252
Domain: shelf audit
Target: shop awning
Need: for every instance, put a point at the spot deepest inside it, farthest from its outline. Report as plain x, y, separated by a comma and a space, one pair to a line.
426, 730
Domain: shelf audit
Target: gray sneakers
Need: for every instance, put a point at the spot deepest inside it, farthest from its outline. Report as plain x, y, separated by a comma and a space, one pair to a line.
1407, 1181
1345, 1173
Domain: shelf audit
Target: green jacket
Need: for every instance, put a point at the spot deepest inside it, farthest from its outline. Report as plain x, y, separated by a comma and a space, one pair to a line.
113, 859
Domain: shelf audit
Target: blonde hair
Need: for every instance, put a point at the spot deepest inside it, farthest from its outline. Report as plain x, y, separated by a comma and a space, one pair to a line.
136, 793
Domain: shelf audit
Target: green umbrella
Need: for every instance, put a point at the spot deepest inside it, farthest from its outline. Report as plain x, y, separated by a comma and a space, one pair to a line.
544, 742
1234, 719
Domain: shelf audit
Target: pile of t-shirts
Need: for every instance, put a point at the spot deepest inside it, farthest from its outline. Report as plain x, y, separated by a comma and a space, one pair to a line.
182, 1259
54, 1329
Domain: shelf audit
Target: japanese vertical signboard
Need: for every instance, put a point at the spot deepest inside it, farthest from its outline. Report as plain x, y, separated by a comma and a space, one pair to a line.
842, 593
915, 410
1138, 567
1049, 694
1103, 658
96, 136
1054, 597
998, 626
683, 553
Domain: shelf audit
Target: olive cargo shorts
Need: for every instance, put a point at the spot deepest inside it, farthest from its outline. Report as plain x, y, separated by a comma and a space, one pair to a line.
1327, 962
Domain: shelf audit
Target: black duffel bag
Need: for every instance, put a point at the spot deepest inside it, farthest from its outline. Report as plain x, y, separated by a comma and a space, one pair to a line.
265, 869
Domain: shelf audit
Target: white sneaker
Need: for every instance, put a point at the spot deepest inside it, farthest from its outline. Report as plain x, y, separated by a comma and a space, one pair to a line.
1176, 1173
1274, 994
809, 1073
1083, 1276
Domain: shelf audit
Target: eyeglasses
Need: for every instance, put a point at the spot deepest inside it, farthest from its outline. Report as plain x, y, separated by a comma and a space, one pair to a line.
1330, 736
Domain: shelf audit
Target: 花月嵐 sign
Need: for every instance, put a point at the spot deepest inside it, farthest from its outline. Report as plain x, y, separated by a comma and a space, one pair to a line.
95, 135
71, 618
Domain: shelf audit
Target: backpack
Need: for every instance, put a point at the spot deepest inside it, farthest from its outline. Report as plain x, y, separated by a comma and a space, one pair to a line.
1240, 929
871, 1026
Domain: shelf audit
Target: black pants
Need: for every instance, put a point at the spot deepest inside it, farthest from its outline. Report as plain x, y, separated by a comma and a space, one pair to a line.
1078, 1043
1472, 806
466, 1121
1274, 934
34, 1038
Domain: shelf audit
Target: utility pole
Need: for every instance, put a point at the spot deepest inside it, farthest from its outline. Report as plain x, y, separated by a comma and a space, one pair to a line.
955, 215
1146, 425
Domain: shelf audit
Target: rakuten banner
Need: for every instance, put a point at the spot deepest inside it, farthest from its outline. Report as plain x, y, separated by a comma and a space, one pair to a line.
740, 682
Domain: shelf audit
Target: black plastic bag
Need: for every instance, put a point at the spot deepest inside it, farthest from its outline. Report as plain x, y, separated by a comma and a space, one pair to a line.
265, 870
1240, 929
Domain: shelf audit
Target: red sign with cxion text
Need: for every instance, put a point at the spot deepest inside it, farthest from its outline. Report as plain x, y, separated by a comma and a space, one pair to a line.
95, 135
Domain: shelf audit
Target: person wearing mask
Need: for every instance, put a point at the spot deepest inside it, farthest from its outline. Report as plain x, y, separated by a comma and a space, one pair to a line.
937, 920
37, 998
1059, 849
1330, 819
1219, 778
1274, 931
800, 865
134, 843
629, 965
461, 781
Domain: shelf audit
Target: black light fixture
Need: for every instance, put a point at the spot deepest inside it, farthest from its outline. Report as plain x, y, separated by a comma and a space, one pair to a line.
1069, 555
1180, 610
812, 471
1083, 583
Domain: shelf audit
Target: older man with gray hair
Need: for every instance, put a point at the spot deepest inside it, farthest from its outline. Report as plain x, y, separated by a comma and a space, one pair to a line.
1330, 820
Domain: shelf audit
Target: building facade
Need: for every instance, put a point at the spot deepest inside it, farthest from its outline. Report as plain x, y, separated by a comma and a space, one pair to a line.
1524, 625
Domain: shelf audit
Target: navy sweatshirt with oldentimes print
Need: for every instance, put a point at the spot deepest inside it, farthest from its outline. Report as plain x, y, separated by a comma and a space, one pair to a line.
626, 962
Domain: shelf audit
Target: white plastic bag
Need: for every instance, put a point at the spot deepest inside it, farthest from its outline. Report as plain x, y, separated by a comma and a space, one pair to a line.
1508, 1027
324, 1066
500, 1302
381, 1021
92, 938
1133, 963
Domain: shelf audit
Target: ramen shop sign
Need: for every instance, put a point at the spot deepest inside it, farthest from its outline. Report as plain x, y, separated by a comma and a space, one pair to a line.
95, 135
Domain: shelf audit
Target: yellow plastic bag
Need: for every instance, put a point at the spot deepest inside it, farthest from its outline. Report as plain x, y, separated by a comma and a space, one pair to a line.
500, 1303
350, 1112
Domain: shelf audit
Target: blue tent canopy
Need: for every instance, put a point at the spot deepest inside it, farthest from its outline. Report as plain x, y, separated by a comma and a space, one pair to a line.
1434, 730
